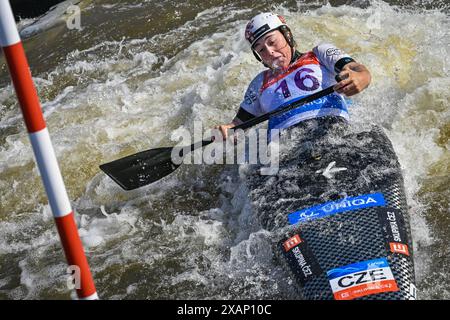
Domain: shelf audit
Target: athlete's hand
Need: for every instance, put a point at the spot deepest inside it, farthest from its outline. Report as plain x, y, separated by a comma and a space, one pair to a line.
224, 129
354, 78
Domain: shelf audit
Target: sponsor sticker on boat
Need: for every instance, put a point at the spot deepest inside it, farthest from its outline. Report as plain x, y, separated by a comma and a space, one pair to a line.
362, 279
394, 230
292, 242
333, 207
300, 258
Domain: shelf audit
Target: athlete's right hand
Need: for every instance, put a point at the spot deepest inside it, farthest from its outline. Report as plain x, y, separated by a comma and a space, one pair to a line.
224, 129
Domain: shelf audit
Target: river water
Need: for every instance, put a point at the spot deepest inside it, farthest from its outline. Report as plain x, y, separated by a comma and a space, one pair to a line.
137, 71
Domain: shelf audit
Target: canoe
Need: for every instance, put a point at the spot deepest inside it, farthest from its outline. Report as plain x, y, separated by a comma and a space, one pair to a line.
338, 213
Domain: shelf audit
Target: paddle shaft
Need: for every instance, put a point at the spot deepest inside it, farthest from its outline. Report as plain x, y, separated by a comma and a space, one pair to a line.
148, 166
266, 116
291, 106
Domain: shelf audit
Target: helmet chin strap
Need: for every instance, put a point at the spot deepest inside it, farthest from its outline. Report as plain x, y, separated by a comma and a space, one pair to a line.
292, 54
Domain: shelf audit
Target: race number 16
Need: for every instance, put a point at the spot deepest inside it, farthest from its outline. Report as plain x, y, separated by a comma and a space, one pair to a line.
304, 82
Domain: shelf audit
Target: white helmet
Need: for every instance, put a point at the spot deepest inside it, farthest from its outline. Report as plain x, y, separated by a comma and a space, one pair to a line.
262, 24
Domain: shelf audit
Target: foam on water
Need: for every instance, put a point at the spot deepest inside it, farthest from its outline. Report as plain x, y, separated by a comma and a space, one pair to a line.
193, 234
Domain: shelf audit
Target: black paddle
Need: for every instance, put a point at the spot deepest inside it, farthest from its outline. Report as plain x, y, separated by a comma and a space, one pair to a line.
148, 166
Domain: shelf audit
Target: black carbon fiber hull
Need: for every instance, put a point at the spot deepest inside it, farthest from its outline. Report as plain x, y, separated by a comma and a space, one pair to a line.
341, 233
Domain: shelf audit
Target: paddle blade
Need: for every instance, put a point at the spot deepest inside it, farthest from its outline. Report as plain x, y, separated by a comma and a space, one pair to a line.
140, 169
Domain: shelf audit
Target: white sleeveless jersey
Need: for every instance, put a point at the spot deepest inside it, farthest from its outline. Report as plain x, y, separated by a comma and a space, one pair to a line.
310, 73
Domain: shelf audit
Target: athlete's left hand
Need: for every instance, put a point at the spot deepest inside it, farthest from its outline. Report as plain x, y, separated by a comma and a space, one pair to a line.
355, 78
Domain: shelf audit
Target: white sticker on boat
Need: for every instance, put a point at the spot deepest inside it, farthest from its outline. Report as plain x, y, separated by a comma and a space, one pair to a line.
362, 279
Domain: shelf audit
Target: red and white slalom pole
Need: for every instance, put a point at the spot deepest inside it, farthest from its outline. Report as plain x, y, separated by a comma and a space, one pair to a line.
43, 150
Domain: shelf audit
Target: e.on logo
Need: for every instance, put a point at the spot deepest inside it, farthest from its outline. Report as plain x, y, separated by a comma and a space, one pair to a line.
292, 242
399, 248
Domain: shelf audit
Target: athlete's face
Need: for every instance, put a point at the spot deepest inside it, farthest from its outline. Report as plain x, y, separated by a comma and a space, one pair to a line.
274, 50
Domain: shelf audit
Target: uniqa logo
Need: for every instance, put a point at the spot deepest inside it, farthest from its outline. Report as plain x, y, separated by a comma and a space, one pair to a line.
346, 204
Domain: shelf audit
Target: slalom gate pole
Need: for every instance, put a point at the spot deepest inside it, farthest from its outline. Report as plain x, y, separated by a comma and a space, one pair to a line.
43, 151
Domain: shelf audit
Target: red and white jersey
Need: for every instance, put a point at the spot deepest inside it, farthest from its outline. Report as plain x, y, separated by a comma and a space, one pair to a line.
310, 73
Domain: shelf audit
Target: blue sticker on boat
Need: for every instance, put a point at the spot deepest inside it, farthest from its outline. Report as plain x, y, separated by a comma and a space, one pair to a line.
357, 267
333, 207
